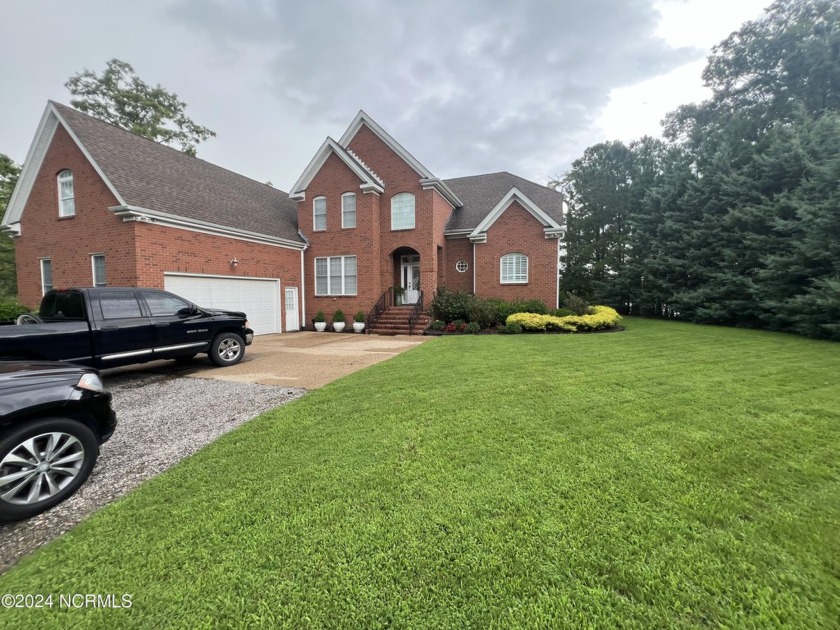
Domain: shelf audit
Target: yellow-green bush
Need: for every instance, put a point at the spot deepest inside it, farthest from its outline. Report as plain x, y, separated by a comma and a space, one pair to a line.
598, 317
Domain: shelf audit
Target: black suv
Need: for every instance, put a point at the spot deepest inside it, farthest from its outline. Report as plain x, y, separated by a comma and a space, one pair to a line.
53, 417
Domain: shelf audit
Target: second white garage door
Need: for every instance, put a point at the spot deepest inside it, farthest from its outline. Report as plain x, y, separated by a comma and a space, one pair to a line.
259, 298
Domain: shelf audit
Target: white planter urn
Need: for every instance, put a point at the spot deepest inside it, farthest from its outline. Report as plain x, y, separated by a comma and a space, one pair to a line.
358, 326
338, 326
320, 326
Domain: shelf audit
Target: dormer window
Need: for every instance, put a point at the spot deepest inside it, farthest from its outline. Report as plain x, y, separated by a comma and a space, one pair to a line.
402, 212
319, 214
66, 196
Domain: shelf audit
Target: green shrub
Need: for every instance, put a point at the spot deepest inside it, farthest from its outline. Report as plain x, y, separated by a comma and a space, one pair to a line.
437, 325
562, 312
338, 316
319, 317
473, 328
359, 317
576, 304
483, 312
512, 329
531, 306
450, 305
10, 309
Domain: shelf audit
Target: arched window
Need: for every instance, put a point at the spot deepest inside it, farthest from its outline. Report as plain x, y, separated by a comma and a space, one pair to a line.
514, 269
402, 212
66, 197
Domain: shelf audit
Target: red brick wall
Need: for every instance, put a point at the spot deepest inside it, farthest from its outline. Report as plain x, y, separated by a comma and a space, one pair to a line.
517, 231
399, 177
161, 249
332, 180
459, 249
69, 242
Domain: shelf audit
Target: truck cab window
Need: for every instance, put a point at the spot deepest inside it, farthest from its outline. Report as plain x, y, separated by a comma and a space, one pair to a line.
119, 305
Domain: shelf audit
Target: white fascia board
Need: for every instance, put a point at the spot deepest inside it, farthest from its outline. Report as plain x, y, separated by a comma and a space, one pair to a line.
329, 146
363, 119
10, 229
31, 166
457, 233
443, 190
514, 194
144, 215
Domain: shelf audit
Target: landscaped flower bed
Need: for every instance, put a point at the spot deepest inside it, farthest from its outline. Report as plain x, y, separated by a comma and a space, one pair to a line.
462, 313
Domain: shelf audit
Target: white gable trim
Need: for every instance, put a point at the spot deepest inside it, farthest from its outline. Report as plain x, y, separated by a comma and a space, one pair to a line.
551, 228
298, 192
443, 190
363, 119
35, 158
144, 215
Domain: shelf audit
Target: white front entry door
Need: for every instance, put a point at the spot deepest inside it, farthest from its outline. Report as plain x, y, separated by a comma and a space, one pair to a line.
292, 319
411, 279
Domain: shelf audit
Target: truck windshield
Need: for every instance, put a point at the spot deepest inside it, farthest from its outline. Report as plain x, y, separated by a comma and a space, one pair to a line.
63, 306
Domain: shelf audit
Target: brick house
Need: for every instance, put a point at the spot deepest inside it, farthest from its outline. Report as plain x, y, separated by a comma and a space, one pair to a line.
98, 205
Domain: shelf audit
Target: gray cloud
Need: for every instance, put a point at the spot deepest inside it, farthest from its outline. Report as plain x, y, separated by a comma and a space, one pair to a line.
468, 87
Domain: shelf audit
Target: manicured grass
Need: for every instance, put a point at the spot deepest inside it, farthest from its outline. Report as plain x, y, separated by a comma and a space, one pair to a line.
668, 476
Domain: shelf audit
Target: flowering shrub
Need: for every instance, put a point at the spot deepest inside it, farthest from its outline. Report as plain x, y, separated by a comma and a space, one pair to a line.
450, 327
460, 325
598, 317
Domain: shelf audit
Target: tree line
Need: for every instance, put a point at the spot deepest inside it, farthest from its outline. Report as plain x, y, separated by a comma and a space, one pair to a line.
734, 216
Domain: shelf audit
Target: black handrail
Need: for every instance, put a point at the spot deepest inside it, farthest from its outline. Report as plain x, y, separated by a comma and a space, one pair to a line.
384, 301
415, 313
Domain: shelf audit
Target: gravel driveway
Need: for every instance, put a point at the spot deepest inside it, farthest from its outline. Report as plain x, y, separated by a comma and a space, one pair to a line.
162, 418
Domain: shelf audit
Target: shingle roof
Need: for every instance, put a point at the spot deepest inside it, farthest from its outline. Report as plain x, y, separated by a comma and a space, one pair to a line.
156, 177
481, 193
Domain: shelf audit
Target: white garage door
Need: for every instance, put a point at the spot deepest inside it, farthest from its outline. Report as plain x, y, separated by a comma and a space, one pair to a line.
259, 298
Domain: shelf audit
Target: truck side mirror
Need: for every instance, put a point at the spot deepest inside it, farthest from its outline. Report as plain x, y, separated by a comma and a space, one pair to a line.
186, 312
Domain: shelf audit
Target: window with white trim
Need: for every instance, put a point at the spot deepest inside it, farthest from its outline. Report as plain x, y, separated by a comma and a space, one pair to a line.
402, 211
461, 266
97, 262
336, 275
46, 275
348, 210
514, 269
66, 196
319, 214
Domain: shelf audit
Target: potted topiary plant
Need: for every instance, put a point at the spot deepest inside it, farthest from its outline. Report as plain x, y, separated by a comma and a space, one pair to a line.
338, 321
359, 322
320, 322
398, 295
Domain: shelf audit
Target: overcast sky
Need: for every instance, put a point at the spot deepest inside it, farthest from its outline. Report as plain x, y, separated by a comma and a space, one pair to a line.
467, 86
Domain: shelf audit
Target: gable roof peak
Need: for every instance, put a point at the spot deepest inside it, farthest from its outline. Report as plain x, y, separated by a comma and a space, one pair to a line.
362, 119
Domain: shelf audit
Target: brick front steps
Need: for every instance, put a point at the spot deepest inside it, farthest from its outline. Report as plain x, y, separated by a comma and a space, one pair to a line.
394, 321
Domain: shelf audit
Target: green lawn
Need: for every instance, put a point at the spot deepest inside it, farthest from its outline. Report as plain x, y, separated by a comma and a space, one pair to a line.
668, 476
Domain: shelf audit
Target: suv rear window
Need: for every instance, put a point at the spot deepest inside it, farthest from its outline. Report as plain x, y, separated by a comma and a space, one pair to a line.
63, 305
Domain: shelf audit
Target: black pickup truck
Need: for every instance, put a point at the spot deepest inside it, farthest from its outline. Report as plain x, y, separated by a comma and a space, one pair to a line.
108, 327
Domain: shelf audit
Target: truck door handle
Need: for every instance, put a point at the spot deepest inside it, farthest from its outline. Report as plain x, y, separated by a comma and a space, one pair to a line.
162, 325
109, 328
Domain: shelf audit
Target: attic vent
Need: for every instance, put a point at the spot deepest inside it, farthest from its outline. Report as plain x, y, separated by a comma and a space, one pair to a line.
366, 167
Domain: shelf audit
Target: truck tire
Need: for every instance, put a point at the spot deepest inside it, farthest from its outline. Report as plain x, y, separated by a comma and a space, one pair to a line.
227, 349
42, 463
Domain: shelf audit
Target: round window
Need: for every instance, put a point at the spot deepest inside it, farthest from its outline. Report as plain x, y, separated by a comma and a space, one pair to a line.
461, 266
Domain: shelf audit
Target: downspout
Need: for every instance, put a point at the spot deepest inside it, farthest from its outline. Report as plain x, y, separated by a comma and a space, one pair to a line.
474, 287
303, 283
557, 289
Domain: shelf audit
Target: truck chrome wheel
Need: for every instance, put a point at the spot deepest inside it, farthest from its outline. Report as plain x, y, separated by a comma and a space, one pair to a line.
40, 467
227, 349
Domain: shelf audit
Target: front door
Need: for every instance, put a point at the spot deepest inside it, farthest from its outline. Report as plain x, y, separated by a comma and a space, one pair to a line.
411, 279
292, 322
